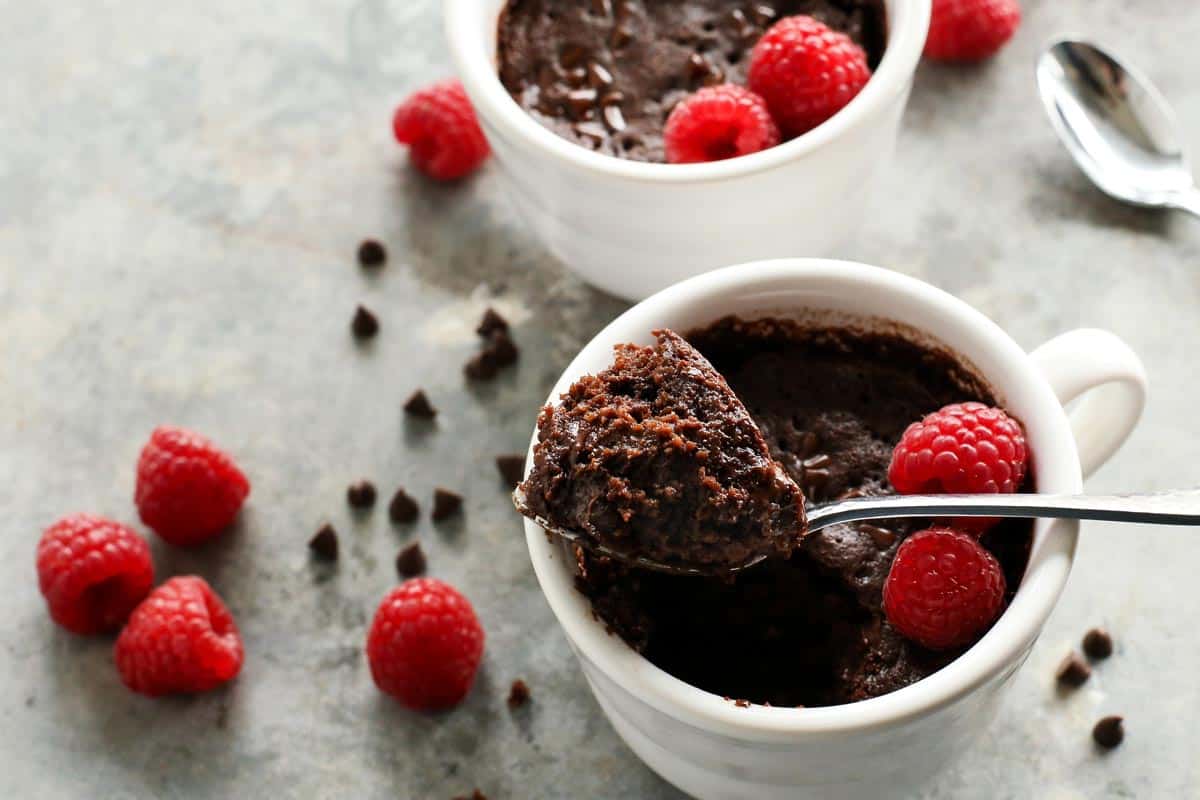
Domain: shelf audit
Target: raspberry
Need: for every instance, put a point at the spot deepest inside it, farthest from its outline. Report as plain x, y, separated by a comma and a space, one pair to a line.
425, 644
443, 135
92, 572
188, 491
965, 448
806, 72
944, 589
182, 638
970, 30
716, 123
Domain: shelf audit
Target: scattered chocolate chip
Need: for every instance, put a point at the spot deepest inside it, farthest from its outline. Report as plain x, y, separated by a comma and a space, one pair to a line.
882, 537
361, 494
481, 367
601, 8
592, 130
419, 406
502, 349
324, 544
1109, 732
742, 703
613, 118
410, 561
697, 66
1072, 671
577, 77
763, 14
445, 503
598, 76
512, 468
365, 324
403, 508
580, 103
1098, 644
371, 254
518, 694
491, 322
620, 37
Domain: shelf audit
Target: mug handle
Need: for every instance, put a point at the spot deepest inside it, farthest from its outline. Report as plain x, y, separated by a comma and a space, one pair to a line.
1110, 381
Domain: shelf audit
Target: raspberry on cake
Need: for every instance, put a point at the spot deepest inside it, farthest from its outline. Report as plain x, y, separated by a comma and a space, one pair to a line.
970, 30
93, 572
965, 448
188, 491
181, 639
425, 645
716, 123
944, 589
656, 457
440, 129
806, 72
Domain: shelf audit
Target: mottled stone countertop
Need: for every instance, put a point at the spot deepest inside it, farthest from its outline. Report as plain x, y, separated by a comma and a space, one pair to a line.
182, 189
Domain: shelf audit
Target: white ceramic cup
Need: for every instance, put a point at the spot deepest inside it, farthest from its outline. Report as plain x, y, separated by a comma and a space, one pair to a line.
632, 228
887, 745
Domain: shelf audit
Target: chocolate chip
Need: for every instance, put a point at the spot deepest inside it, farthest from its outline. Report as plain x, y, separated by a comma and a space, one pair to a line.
591, 130
491, 322
1109, 732
502, 349
817, 462
419, 406
697, 66
763, 14
365, 324
518, 694
742, 703
1072, 671
598, 76
512, 468
445, 504
402, 508
579, 102
324, 544
410, 561
371, 254
361, 494
613, 118
619, 37
882, 537
481, 367
1097, 644
601, 8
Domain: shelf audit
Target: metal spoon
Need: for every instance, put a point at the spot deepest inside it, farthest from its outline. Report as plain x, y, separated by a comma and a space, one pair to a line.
1118, 128
1179, 507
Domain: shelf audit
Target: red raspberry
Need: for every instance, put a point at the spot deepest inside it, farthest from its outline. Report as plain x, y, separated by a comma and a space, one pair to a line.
188, 491
970, 30
806, 72
425, 644
965, 448
92, 572
943, 590
716, 123
182, 638
439, 126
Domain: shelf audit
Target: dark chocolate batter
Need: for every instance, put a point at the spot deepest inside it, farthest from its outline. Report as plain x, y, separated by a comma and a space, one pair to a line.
808, 630
656, 457
606, 73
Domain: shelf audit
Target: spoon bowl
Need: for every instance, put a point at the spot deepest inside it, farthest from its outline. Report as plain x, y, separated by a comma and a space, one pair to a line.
1116, 125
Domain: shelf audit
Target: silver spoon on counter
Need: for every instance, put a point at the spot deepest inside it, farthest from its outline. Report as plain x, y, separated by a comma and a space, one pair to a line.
1116, 125
1179, 507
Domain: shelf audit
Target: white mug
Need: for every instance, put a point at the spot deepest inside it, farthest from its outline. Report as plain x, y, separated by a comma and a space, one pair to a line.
887, 745
632, 228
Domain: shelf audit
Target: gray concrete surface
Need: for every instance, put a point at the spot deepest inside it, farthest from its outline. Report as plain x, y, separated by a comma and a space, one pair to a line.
182, 187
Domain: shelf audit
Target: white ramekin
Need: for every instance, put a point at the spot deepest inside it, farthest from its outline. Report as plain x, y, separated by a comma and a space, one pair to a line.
887, 745
632, 228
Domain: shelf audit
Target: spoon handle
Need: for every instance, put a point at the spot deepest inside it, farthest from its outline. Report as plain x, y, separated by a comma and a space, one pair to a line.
1178, 507
1189, 202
